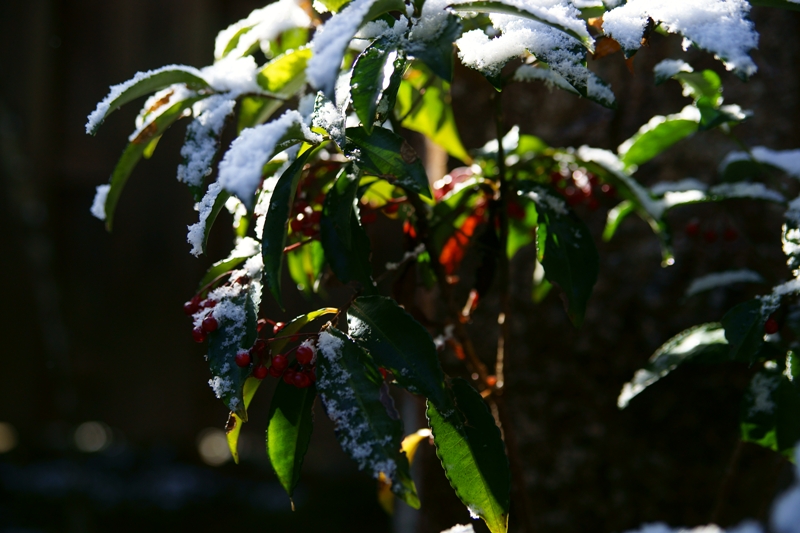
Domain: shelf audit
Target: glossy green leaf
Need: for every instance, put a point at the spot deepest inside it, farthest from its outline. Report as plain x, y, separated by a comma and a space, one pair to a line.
334, 6
277, 223
387, 155
219, 203
565, 248
770, 412
488, 6
704, 86
522, 228
146, 83
367, 79
425, 105
346, 245
744, 329
705, 343
356, 399
472, 453
398, 343
223, 345
658, 135
291, 419
437, 53
305, 266
133, 153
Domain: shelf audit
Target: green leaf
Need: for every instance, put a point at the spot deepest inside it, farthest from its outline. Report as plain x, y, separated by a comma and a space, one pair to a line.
521, 231
784, 4
291, 419
565, 248
615, 216
483, 6
277, 222
469, 445
223, 345
219, 203
744, 329
141, 84
234, 425
367, 79
657, 135
425, 105
244, 249
705, 343
334, 6
305, 266
770, 412
286, 74
437, 53
346, 245
357, 401
135, 150
389, 156
399, 343
704, 86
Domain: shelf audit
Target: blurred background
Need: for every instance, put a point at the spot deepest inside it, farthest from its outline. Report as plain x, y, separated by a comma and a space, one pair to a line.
106, 421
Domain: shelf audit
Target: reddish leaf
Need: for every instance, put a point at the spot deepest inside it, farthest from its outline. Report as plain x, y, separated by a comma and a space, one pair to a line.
453, 250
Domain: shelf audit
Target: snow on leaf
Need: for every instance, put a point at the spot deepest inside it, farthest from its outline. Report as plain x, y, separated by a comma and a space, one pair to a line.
202, 138
99, 204
669, 67
240, 170
262, 25
719, 26
722, 279
786, 160
197, 231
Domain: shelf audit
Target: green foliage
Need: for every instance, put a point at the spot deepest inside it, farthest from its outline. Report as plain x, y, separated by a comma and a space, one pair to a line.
306, 186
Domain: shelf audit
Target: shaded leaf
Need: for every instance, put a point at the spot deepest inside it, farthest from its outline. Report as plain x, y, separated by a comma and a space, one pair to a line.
744, 329
565, 248
305, 266
277, 222
367, 79
770, 412
398, 343
437, 53
389, 156
244, 249
472, 453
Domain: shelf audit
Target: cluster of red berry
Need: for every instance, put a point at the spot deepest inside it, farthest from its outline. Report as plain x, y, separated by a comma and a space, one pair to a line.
209, 323
301, 375
710, 235
306, 219
579, 186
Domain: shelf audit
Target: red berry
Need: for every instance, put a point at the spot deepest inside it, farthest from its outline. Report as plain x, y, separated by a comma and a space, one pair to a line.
242, 359
515, 211
315, 217
210, 324
288, 376
261, 323
297, 224
199, 335
771, 326
391, 208
260, 372
304, 354
491, 380
274, 372
368, 217
710, 236
592, 203
692, 228
309, 231
280, 362
312, 374
277, 327
300, 206
730, 234
208, 304
300, 380
192, 306
383, 372
574, 196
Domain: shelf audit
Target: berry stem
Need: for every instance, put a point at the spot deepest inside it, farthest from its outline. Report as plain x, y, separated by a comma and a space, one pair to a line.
297, 245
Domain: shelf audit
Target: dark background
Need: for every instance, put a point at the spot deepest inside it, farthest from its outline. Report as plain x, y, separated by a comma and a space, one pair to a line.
92, 327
